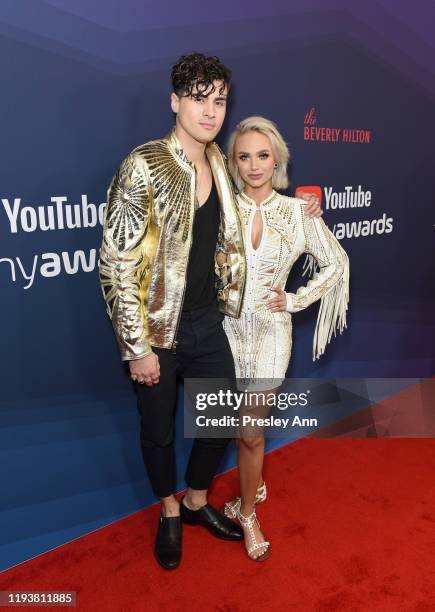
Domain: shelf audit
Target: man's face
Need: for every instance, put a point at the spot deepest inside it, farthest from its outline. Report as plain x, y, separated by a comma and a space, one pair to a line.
202, 114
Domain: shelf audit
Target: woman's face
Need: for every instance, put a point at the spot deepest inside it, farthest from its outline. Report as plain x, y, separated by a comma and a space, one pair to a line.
254, 158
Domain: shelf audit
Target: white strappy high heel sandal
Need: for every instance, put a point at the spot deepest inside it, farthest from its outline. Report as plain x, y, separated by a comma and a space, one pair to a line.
262, 547
230, 508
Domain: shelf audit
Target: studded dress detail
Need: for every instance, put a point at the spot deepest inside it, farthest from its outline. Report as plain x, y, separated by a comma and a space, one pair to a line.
261, 340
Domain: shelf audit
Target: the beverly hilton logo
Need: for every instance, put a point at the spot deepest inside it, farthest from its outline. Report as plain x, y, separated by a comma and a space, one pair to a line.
313, 132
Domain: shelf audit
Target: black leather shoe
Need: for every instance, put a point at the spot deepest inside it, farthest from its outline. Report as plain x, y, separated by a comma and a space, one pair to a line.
167, 549
217, 524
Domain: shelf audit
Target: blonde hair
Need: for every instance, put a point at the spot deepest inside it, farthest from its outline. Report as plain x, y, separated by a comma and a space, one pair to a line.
279, 149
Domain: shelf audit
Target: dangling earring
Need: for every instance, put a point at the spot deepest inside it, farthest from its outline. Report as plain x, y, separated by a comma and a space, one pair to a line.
275, 166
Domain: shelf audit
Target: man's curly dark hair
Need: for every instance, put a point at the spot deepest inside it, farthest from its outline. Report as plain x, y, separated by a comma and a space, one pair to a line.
198, 70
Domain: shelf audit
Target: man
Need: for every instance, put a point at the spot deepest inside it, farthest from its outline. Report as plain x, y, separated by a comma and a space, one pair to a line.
170, 211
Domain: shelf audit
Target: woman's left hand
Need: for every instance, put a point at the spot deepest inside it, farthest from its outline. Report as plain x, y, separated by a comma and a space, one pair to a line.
279, 302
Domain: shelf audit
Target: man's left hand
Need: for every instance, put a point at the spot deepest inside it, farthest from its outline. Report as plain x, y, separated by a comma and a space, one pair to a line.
312, 208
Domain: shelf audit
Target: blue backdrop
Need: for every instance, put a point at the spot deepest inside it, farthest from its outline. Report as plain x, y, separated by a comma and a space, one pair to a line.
84, 82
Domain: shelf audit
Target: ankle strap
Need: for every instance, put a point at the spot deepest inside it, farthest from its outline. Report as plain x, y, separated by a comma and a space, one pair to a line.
246, 521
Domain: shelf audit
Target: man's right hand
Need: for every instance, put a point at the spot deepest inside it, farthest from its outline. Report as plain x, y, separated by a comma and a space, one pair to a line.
146, 370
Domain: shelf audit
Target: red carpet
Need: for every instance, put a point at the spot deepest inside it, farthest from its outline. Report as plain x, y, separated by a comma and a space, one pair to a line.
352, 526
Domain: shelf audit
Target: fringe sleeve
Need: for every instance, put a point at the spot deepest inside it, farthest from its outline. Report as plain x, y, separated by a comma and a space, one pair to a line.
310, 265
329, 283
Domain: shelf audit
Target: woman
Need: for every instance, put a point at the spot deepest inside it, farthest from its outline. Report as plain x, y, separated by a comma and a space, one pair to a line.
276, 233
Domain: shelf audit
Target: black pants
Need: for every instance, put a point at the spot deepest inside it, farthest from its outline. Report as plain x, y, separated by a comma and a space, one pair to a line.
203, 351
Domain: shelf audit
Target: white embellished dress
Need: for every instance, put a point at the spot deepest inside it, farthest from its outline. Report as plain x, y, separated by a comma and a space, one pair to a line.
261, 340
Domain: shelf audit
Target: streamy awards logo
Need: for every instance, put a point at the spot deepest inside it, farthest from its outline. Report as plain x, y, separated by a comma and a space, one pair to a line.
57, 216
354, 199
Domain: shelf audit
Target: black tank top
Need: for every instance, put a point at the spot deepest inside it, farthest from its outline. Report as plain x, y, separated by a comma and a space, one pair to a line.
200, 276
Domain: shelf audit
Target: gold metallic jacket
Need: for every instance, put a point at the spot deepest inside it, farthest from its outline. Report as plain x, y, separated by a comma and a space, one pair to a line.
147, 236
